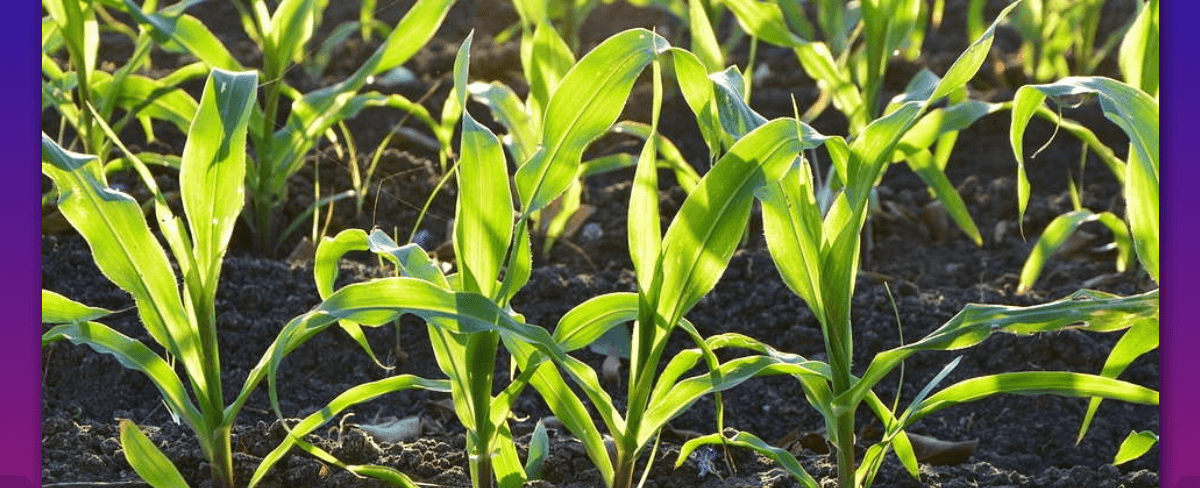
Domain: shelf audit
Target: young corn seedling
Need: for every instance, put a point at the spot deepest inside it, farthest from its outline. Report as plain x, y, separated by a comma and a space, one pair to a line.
280, 146
468, 312
817, 257
546, 59
1136, 113
852, 78
181, 321
87, 98
1060, 37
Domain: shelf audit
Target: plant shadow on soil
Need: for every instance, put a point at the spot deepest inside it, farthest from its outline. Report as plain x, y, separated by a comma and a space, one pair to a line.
931, 269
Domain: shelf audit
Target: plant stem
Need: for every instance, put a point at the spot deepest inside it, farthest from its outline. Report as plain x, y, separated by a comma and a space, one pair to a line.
222, 457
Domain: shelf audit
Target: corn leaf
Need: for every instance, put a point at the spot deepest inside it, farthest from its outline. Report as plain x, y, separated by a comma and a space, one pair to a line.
287, 33
1138, 340
697, 90
1035, 383
1138, 57
587, 102
147, 460
57, 309
1135, 445
175, 31
705, 232
213, 168
135, 356
508, 110
591, 319
749, 441
122, 246
484, 215
1136, 113
359, 394
1086, 310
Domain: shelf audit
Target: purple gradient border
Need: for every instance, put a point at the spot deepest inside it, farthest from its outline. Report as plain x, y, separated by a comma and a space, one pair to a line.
20, 356
1177, 357
20, 454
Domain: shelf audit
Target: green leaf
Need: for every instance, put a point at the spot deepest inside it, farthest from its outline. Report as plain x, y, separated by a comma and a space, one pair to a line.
135, 356
587, 102
1055, 235
508, 110
147, 460
1138, 340
1136, 113
57, 309
123, 247
548, 61
539, 448
1135, 445
289, 30
1086, 310
213, 168
705, 232
483, 221
591, 319
175, 31
750, 441
359, 394
1138, 57
1035, 383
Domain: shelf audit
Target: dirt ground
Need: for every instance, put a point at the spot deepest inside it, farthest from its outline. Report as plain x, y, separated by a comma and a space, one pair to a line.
930, 267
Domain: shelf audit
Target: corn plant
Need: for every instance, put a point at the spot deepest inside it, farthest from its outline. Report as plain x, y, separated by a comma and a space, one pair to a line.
545, 59
87, 97
181, 321
1059, 36
280, 146
817, 258
1136, 113
468, 312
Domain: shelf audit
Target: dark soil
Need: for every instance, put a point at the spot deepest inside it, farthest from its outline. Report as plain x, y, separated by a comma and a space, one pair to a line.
931, 268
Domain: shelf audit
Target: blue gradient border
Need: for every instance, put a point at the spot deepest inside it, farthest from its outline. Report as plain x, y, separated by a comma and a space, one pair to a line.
20, 358
20, 248
1179, 334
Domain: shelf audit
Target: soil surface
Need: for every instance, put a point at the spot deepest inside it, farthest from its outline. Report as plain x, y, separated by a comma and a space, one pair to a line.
931, 268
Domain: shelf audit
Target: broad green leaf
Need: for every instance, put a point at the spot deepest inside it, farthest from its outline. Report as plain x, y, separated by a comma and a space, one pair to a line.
705, 232
176, 31
1035, 383
1087, 310
737, 118
413, 31
591, 319
1136, 113
587, 102
669, 155
750, 441
123, 248
1138, 57
359, 394
1138, 340
288, 32
508, 110
763, 20
549, 59
135, 356
484, 215
539, 448
147, 460
145, 97
1135, 445
57, 309
704, 39
213, 168
1057, 233
697, 91
325, 272
792, 226
643, 227
968, 63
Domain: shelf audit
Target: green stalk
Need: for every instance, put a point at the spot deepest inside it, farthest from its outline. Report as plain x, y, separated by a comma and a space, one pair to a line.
481, 354
262, 197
